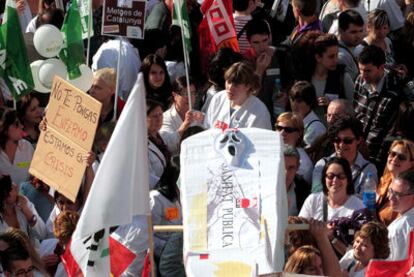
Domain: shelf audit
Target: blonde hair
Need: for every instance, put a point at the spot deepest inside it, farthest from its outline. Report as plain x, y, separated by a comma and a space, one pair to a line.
17, 238
378, 18
297, 121
106, 74
301, 258
64, 225
408, 146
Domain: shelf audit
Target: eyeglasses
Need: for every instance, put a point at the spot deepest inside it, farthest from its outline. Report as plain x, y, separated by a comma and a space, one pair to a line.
331, 176
397, 194
339, 140
24, 272
288, 130
400, 156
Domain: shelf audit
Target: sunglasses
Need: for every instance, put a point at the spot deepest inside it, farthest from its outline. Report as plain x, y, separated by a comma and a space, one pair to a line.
331, 176
288, 130
397, 194
338, 140
401, 157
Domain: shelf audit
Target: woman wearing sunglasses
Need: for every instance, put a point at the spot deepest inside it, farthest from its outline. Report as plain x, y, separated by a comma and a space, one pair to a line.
15, 152
400, 159
346, 136
290, 127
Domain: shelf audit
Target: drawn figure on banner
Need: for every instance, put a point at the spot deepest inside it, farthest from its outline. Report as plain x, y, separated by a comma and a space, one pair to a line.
232, 210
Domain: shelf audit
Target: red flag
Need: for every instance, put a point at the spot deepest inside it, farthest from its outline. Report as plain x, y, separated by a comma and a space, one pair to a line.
120, 258
380, 268
216, 30
70, 264
146, 271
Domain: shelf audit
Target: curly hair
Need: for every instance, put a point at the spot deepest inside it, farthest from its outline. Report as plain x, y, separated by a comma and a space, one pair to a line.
64, 226
377, 233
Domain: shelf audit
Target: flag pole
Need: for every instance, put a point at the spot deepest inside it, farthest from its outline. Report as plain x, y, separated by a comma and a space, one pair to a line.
118, 66
90, 18
151, 245
180, 19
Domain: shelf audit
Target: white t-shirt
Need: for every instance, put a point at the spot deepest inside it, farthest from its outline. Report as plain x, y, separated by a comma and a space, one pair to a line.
398, 232
348, 262
19, 169
313, 207
253, 113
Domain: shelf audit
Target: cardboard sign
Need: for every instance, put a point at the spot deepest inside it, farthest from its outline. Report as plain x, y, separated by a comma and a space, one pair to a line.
60, 156
123, 18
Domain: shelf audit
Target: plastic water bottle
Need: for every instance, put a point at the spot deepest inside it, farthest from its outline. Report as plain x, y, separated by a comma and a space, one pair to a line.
369, 192
278, 107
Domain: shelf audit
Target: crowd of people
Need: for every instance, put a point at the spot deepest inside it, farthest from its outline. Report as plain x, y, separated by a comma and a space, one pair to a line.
332, 77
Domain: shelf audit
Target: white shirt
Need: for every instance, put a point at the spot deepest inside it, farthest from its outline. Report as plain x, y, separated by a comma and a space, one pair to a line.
252, 113
19, 169
107, 56
398, 232
348, 263
31, 27
36, 232
157, 164
170, 124
163, 212
313, 207
314, 128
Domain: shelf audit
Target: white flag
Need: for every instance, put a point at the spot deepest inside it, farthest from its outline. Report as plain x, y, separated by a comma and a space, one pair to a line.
120, 189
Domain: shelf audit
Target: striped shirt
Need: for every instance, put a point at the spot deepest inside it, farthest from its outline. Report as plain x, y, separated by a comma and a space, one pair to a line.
376, 110
239, 22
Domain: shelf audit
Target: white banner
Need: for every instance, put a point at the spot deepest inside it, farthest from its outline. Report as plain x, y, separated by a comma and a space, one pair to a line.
234, 201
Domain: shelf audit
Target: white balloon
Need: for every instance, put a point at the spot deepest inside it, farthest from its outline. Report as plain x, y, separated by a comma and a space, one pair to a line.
34, 66
48, 69
83, 82
48, 41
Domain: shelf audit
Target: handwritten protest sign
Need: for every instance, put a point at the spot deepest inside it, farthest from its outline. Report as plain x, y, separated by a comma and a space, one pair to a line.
124, 18
60, 156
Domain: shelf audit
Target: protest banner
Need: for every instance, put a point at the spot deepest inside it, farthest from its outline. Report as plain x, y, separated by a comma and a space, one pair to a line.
234, 202
60, 157
123, 18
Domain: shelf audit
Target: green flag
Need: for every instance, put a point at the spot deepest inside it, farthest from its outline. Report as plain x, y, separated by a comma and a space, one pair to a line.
180, 18
85, 15
73, 52
14, 64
